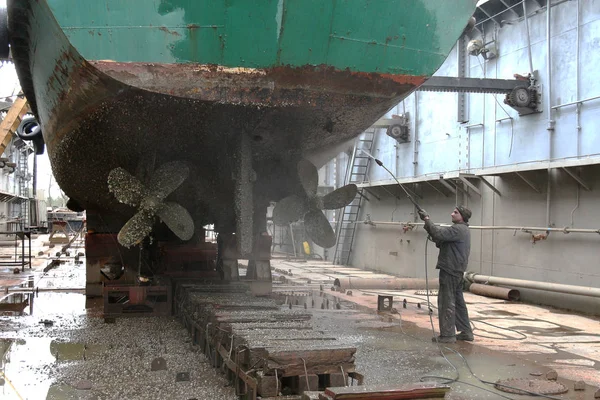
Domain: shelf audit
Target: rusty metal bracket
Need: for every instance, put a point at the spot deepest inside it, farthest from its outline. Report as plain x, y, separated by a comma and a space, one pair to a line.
129, 300
384, 303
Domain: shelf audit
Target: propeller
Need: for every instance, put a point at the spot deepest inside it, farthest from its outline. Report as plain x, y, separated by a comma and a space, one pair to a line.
149, 200
308, 206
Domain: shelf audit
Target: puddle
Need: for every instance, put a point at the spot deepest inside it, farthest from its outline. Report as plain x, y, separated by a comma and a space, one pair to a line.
16, 304
75, 351
28, 365
62, 392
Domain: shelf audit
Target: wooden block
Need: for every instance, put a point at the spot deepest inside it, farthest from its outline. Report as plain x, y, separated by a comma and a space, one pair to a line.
389, 392
312, 381
325, 360
337, 380
268, 386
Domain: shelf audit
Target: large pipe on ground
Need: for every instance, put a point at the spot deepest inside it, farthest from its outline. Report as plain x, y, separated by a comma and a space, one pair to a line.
385, 283
551, 287
495, 292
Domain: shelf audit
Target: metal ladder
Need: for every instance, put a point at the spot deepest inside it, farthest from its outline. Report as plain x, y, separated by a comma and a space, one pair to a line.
22, 172
357, 172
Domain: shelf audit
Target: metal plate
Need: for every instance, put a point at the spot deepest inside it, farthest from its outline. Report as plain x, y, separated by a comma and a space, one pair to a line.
424, 292
540, 386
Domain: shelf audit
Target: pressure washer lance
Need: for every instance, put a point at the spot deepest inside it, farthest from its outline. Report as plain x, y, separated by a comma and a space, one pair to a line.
393, 176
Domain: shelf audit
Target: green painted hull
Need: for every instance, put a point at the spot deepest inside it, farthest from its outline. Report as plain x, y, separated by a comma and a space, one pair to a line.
404, 37
135, 84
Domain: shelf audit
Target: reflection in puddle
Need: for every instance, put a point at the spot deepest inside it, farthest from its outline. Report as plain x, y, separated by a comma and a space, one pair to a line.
27, 364
20, 363
21, 304
23, 359
62, 392
15, 304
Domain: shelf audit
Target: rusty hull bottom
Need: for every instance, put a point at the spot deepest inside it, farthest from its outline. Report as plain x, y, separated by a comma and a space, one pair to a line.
140, 129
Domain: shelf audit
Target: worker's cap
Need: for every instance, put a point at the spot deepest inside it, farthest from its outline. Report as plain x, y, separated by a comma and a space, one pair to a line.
465, 212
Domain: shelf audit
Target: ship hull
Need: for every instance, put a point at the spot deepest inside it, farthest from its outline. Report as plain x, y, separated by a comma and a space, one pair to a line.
199, 107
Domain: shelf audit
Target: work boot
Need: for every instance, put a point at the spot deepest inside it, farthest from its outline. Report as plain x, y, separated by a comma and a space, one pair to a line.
466, 336
444, 339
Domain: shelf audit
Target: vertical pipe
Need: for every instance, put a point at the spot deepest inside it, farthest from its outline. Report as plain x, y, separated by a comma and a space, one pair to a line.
34, 189
578, 108
528, 36
550, 126
415, 145
548, 187
416, 134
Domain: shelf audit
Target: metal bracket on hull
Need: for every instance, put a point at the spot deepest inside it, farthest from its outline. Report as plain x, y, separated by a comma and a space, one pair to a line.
522, 94
470, 85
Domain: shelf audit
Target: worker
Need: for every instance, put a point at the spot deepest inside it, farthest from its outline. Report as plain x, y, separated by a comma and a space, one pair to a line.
454, 243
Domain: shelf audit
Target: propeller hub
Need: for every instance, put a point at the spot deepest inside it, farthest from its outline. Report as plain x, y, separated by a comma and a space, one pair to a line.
317, 202
151, 204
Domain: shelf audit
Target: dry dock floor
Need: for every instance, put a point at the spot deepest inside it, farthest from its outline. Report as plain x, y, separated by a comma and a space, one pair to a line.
76, 355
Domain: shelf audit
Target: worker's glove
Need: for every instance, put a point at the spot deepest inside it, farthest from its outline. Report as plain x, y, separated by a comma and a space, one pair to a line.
423, 215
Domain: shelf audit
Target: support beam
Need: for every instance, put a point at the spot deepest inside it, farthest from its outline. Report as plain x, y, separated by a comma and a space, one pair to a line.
578, 179
244, 201
492, 17
372, 193
391, 194
447, 185
527, 181
509, 7
412, 192
485, 182
457, 186
362, 195
469, 184
436, 189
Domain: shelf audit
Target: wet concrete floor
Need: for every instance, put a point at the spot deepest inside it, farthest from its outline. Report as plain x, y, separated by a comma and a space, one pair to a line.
525, 341
61, 348
66, 351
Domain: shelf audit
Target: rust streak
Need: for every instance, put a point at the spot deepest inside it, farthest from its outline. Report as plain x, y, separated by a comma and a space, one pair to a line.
166, 30
324, 77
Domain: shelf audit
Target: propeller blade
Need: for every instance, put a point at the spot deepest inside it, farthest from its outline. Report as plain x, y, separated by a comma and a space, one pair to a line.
309, 177
289, 209
126, 188
318, 229
167, 178
136, 229
178, 219
340, 197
